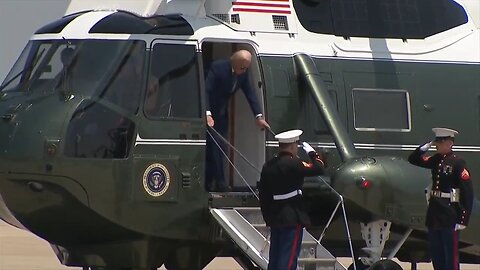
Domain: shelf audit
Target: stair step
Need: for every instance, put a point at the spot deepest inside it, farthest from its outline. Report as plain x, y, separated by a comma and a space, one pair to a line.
316, 264
251, 214
317, 260
263, 229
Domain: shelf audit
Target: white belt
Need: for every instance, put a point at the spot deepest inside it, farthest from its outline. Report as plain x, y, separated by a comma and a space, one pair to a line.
439, 194
287, 195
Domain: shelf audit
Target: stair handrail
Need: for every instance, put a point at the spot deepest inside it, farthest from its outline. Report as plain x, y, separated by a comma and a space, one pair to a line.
345, 220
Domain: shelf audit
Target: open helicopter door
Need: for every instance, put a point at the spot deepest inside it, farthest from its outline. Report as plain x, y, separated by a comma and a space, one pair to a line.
170, 144
243, 133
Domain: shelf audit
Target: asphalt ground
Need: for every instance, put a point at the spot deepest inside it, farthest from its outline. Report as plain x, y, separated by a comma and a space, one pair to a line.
22, 250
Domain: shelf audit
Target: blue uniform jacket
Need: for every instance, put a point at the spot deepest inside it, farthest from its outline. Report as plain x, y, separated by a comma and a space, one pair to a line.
219, 87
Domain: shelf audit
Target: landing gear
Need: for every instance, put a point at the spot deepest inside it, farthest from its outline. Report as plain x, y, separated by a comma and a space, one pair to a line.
379, 265
375, 234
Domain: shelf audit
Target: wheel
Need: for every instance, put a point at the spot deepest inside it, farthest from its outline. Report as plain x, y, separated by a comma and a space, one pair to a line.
359, 264
385, 265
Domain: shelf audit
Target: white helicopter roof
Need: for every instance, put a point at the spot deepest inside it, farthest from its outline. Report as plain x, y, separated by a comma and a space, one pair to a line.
266, 24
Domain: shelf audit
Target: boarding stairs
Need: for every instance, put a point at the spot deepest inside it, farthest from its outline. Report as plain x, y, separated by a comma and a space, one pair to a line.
246, 227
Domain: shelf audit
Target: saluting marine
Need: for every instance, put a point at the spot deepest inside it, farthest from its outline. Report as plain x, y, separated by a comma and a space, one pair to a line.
449, 200
281, 201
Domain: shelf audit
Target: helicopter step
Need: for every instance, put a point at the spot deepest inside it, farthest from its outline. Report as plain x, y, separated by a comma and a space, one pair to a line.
246, 227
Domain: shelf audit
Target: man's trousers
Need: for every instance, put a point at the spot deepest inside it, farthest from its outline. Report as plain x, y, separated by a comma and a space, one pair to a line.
285, 244
444, 248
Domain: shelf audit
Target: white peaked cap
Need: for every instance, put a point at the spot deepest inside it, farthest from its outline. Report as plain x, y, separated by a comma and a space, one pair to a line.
290, 136
442, 133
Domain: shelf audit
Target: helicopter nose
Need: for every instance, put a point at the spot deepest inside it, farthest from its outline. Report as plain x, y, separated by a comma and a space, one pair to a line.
380, 184
358, 179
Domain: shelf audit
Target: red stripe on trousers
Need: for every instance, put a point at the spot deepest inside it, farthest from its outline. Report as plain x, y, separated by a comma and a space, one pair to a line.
455, 250
294, 248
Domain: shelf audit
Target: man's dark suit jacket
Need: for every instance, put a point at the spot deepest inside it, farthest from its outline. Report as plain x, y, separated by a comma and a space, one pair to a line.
219, 87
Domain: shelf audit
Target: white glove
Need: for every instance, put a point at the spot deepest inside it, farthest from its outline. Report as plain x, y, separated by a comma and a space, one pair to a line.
307, 147
459, 227
426, 146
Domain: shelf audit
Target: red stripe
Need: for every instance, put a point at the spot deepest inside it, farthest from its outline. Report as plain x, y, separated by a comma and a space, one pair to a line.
455, 250
294, 249
262, 10
260, 4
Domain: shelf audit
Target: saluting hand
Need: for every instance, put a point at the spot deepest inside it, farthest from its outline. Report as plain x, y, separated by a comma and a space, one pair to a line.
307, 147
426, 146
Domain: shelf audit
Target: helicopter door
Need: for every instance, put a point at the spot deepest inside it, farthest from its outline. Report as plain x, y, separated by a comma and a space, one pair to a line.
243, 133
170, 144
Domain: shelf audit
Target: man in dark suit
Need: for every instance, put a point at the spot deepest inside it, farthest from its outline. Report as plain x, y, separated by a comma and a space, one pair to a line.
450, 198
224, 78
281, 200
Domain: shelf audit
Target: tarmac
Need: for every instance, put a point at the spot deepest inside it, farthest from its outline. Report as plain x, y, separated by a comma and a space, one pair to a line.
22, 250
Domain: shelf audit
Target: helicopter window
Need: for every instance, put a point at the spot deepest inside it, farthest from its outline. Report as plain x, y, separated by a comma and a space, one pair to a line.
32, 76
124, 86
89, 68
409, 19
14, 77
381, 109
95, 131
173, 88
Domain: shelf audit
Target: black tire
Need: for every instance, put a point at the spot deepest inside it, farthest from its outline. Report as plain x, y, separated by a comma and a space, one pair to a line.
359, 264
385, 265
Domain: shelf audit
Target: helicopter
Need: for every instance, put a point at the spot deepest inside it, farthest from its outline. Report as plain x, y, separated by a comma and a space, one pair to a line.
104, 131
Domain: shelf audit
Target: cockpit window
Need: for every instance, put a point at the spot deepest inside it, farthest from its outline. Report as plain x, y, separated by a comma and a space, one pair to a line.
15, 77
109, 71
123, 88
104, 78
96, 131
407, 19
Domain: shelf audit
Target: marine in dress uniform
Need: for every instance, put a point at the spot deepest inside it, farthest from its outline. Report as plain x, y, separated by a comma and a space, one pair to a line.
450, 197
280, 191
224, 78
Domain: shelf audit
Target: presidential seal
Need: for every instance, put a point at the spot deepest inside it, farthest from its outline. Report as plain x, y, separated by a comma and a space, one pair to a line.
156, 179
